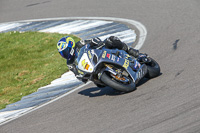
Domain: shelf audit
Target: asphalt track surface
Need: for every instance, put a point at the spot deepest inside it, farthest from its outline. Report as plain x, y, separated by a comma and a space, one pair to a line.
168, 103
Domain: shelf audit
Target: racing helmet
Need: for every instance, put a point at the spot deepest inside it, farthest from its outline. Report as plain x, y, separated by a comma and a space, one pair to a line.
67, 48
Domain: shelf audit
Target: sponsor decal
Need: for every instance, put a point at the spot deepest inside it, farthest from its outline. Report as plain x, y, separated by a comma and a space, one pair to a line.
108, 55
118, 59
89, 54
85, 64
113, 58
72, 51
126, 64
127, 56
92, 51
104, 54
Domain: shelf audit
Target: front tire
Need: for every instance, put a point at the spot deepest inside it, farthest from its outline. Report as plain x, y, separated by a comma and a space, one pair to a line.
109, 81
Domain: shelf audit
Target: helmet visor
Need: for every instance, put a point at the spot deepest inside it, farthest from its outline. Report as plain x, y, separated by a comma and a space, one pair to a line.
66, 53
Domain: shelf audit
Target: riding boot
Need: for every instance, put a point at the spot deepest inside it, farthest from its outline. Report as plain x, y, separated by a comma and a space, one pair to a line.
143, 58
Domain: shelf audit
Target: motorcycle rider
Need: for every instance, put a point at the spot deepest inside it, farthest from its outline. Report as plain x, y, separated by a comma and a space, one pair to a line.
68, 49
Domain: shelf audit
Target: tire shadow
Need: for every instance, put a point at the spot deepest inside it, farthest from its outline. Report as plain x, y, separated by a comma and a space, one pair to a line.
144, 80
96, 91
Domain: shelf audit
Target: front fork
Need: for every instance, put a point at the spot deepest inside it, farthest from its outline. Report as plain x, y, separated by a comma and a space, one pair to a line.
108, 68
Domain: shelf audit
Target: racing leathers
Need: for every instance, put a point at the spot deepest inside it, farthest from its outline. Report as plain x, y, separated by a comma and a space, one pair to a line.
110, 43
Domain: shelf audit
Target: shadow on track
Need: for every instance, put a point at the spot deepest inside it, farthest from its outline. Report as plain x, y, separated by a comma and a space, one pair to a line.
96, 91
141, 82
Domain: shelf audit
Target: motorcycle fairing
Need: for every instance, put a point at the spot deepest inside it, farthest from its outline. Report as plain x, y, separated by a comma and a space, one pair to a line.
112, 56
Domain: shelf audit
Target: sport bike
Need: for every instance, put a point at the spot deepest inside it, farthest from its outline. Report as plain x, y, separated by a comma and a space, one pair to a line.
114, 68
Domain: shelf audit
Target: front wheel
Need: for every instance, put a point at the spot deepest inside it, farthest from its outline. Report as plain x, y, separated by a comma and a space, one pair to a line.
122, 83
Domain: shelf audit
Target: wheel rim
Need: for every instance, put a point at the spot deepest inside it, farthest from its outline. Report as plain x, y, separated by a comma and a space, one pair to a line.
122, 78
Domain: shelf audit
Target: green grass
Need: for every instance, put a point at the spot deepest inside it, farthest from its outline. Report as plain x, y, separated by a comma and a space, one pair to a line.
28, 61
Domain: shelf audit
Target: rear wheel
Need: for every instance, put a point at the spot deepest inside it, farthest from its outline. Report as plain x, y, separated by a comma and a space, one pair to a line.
118, 82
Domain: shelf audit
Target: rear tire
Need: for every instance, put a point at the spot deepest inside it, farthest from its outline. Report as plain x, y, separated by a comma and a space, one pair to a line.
109, 81
153, 69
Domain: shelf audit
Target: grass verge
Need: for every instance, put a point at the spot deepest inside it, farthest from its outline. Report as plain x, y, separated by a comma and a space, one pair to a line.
28, 61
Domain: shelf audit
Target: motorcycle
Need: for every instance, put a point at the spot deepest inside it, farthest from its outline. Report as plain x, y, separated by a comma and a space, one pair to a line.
114, 68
